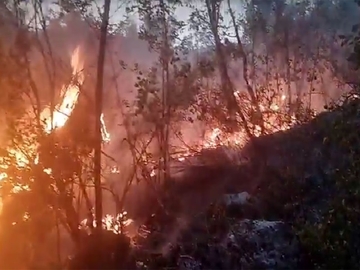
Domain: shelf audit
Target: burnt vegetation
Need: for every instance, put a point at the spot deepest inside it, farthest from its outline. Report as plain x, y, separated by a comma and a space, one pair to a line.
223, 139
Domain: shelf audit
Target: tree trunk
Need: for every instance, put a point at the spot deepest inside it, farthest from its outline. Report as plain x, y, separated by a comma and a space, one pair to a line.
288, 65
98, 112
165, 97
250, 89
227, 86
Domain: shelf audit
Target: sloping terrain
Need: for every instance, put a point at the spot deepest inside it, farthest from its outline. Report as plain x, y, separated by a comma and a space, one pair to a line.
280, 178
241, 209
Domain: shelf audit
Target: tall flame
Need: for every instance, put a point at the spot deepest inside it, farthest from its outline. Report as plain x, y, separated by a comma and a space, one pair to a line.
62, 112
104, 132
69, 95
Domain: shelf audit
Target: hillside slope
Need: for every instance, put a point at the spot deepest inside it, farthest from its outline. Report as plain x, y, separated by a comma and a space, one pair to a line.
287, 201
267, 200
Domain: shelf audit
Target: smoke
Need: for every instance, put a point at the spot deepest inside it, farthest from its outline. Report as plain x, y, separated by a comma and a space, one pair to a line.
65, 34
72, 30
297, 46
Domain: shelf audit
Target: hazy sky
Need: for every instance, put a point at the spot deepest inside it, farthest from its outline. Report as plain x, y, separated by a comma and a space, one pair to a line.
182, 12
117, 10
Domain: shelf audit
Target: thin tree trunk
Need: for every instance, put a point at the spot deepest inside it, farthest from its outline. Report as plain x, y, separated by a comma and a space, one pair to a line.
58, 240
165, 89
98, 112
288, 66
228, 88
213, 17
245, 70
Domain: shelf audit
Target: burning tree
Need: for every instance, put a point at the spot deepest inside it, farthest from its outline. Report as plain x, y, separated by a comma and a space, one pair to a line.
43, 160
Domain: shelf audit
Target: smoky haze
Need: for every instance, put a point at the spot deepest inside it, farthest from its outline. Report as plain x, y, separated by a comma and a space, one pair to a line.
64, 35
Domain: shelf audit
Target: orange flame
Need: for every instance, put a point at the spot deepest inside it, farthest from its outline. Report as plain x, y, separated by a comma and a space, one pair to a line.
69, 97
104, 132
61, 113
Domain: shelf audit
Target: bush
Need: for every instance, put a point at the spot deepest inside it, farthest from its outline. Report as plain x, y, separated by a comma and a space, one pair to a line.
334, 242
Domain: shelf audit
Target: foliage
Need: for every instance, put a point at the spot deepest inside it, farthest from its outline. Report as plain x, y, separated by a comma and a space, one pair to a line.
116, 253
333, 241
35, 203
69, 6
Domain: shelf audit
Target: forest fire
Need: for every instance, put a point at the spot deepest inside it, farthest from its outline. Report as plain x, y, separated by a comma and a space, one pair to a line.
62, 112
60, 116
216, 137
213, 138
204, 129
272, 123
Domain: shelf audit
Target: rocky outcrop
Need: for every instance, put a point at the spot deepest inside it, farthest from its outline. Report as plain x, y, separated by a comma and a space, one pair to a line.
240, 244
263, 244
249, 244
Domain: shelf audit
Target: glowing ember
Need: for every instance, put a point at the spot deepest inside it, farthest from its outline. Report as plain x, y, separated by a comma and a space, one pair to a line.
115, 169
3, 176
110, 223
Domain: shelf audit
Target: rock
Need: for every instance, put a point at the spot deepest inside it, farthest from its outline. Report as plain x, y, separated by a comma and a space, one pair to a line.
188, 263
263, 244
236, 199
249, 244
